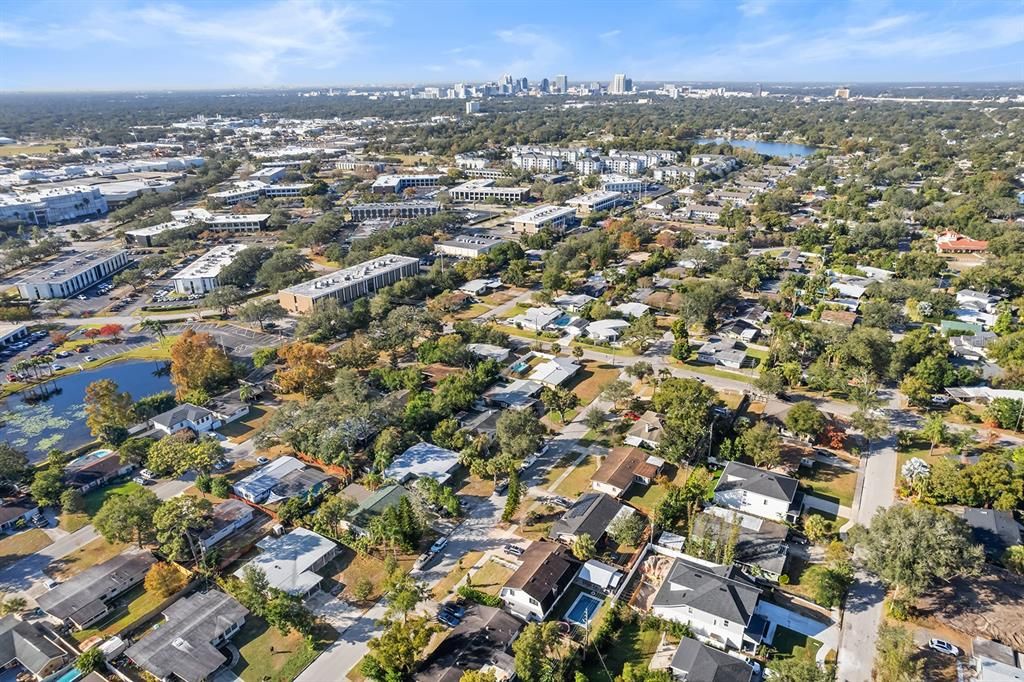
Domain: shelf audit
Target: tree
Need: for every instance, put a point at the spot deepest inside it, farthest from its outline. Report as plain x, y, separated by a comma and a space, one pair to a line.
1005, 413
197, 362
583, 547
128, 517
628, 529
13, 466
157, 328
165, 579
827, 584
640, 370
105, 406
178, 523
261, 311
594, 419
909, 547
356, 352
287, 612
224, 297
72, 502
617, 391
916, 389
264, 356
935, 431
818, 529
47, 486
478, 676
308, 369
805, 419
395, 652
559, 400
762, 443
797, 669
514, 497
519, 433
90, 661
536, 652
13, 605
770, 382
220, 487
641, 333
403, 593
174, 455
895, 655
688, 408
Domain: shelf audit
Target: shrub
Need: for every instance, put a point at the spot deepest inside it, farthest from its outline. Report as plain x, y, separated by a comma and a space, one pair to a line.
480, 597
221, 487
783, 579
362, 589
898, 608
165, 579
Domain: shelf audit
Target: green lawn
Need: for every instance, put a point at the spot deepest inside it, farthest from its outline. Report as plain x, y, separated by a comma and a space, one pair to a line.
20, 545
269, 656
578, 481
647, 498
713, 371
829, 482
130, 607
95, 499
491, 577
789, 643
633, 645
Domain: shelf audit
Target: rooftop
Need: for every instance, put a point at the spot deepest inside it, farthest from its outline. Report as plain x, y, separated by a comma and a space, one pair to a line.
81, 597
68, 264
346, 276
543, 214
287, 560
759, 481
212, 262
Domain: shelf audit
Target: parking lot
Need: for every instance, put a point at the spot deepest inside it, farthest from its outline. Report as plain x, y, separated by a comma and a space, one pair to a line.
237, 340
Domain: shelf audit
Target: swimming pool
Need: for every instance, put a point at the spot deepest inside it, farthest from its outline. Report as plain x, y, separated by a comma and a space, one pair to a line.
520, 367
583, 609
84, 459
69, 676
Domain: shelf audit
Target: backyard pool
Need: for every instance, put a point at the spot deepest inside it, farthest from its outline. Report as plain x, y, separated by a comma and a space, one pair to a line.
583, 609
69, 676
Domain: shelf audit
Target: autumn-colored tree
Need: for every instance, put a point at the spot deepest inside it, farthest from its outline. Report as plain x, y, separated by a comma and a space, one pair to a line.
197, 362
165, 579
629, 242
91, 333
105, 406
58, 338
667, 239
308, 369
833, 437
112, 330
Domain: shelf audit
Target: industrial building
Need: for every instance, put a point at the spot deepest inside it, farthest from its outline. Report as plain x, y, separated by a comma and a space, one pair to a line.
348, 284
70, 272
201, 276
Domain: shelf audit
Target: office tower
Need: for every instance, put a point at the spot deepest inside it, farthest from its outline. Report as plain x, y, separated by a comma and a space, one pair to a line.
524, 84
627, 85
562, 83
757, 90
545, 85
618, 84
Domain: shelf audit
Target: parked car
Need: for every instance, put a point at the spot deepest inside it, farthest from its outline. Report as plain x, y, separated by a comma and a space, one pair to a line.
51, 583
142, 481
454, 609
222, 465
262, 460
501, 486
438, 545
64, 354
90, 358
447, 619
146, 473
943, 647
514, 550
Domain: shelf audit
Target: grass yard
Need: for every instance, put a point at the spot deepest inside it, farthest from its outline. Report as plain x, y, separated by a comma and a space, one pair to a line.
90, 554
789, 643
472, 312
590, 381
617, 352
646, 499
94, 499
829, 482
491, 577
18, 546
447, 584
244, 429
269, 656
578, 481
714, 371
130, 608
542, 516
350, 567
632, 645
30, 149
730, 399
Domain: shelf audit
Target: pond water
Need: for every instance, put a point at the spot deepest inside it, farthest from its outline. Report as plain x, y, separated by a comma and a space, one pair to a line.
52, 415
761, 147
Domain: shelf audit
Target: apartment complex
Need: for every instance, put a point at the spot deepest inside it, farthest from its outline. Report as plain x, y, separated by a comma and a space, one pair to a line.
483, 189
534, 161
201, 276
393, 209
53, 205
70, 272
555, 217
348, 284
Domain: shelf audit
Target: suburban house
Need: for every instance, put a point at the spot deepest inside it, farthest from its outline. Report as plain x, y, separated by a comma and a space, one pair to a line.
290, 561
972, 346
85, 598
31, 646
94, 470
715, 601
632, 310
622, 467
423, 460
572, 303
555, 371
696, 662
280, 479
760, 545
520, 394
599, 575
949, 241
187, 644
482, 641
536, 319
750, 490
995, 530
979, 300
228, 517
606, 331
199, 419
647, 431
725, 352
489, 351
590, 514
21, 509
546, 571
371, 504
995, 662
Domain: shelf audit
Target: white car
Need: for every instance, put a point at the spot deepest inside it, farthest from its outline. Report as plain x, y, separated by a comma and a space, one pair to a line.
438, 545
146, 473
943, 647
89, 358
529, 462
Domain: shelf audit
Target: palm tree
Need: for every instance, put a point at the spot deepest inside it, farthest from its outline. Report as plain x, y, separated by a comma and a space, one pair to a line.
246, 393
934, 429
157, 327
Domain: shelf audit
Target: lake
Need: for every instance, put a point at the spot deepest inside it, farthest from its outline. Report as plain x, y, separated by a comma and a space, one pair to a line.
52, 415
769, 148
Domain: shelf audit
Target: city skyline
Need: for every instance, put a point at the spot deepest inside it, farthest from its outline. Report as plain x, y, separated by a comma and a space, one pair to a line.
113, 45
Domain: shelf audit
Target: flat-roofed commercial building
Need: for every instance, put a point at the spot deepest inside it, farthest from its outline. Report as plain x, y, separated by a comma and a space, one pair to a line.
12, 332
251, 191
270, 174
70, 272
348, 284
393, 184
393, 209
468, 245
201, 276
277, 191
53, 205
620, 183
483, 190
555, 217
595, 202
144, 236
490, 173
237, 222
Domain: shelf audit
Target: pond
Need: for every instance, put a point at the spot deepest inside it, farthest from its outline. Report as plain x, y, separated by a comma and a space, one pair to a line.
52, 415
761, 147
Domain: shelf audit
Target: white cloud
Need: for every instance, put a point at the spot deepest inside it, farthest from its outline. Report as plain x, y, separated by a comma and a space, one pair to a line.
539, 52
753, 8
881, 26
609, 37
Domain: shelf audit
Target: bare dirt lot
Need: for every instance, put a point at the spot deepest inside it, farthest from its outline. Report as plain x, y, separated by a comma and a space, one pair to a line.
990, 605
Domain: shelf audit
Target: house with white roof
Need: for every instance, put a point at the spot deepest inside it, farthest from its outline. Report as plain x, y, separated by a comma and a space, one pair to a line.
423, 460
290, 561
608, 331
536, 319
555, 371
632, 310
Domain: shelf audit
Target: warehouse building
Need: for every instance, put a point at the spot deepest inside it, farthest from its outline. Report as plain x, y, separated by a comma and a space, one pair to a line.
348, 284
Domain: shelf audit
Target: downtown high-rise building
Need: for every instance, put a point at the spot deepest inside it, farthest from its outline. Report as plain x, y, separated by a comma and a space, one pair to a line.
562, 83
618, 85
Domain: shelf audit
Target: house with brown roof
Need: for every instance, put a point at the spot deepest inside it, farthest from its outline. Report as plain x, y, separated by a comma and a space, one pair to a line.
546, 571
95, 469
647, 431
622, 467
839, 318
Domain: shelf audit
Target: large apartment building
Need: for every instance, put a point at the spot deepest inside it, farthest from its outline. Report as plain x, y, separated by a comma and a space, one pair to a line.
393, 209
482, 190
534, 161
70, 272
348, 284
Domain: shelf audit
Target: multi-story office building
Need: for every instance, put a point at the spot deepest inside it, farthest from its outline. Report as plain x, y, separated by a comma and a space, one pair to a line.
562, 83
533, 161
70, 272
483, 190
468, 245
489, 173
620, 183
53, 205
250, 191
237, 222
348, 284
618, 85
270, 174
554, 217
147, 236
473, 107
202, 275
393, 209
393, 184
276, 191
595, 202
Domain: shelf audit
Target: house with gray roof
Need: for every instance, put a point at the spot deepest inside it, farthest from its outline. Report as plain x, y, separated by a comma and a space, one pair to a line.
995, 530
423, 460
590, 514
761, 550
187, 645
31, 646
696, 662
85, 598
372, 506
754, 491
291, 561
716, 602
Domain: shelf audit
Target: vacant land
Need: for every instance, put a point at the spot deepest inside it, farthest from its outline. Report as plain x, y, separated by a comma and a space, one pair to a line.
268, 656
95, 552
18, 546
633, 645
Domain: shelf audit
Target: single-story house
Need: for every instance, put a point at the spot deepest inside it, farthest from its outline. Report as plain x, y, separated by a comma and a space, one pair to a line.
740, 330
371, 506
489, 351
572, 303
647, 431
186, 647
480, 423
482, 641
840, 318
545, 573
978, 300
632, 310
754, 491
590, 514
537, 319
307, 483
725, 352
480, 287
555, 371
995, 530
290, 561
624, 466
31, 646
600, 575
996, 662
15, 510
95, 469
520, 394
608, 331
84, 599
696, 662
972, 346
258, 486
228, 517
423, 460
186, 416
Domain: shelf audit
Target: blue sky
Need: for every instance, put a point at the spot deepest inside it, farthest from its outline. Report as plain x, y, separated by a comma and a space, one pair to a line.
143, 44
